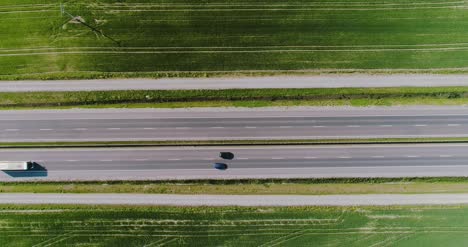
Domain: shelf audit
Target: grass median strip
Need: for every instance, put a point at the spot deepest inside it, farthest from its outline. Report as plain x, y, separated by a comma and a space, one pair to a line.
236, 97
252, 187
232, 142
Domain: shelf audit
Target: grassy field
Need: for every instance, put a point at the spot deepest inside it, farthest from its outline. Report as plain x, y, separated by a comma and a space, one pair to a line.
251, 187
155, 38
231, 226
237, 97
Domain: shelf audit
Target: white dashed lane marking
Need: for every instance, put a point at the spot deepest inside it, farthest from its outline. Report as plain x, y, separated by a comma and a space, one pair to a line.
282, 158
445, 156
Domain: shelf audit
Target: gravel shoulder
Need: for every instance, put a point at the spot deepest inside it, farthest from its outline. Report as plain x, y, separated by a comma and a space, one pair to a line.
232, 112
315, 81
236, 200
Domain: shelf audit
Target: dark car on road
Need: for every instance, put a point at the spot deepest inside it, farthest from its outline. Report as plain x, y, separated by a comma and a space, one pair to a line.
226, 155
220, 166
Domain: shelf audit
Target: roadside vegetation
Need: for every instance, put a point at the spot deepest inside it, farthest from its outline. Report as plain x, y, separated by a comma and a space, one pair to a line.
159, 38
251, 187
232, 142
73, 225
237, 98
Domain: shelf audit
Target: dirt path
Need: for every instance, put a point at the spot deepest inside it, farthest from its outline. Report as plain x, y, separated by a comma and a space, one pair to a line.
235, 200
319, 81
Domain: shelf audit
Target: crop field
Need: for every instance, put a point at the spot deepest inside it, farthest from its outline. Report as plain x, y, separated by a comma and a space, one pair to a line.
129, 38
219, 226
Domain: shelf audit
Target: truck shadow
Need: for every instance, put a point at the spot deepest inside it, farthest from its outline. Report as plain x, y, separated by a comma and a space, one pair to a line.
37, 171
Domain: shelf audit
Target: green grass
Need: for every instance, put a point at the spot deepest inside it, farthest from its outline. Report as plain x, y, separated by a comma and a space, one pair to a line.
307, 186
249, 187
236, 97
232, 142
159, 38
233, 226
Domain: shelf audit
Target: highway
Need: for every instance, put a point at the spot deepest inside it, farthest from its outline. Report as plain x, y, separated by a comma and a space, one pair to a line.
306, 81
249, 162
224, 124
235, 200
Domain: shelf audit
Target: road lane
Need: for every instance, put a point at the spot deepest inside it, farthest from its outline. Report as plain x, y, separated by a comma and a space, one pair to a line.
250, 162
133, 125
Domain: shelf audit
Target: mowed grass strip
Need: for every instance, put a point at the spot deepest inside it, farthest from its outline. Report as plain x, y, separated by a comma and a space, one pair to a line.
73, 225
95, 144
159, 38
251, 187
237, 97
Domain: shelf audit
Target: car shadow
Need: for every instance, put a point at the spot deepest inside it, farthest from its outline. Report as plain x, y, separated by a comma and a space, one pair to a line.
37, 171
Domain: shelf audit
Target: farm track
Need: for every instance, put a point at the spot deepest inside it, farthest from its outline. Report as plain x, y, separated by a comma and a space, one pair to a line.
247, 49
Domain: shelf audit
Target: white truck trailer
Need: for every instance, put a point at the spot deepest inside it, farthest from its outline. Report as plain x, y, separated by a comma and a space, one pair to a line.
15, 165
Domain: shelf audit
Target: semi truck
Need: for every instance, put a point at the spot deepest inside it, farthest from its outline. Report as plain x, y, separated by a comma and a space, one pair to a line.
15, 165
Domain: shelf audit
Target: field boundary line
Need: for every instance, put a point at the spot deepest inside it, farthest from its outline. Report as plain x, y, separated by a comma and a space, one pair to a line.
388, 240
373, 46
156, 242
167, 241
26, 11
282, 239
316, 4
444, 49
58, 241
283, 9
55, 239
403, 236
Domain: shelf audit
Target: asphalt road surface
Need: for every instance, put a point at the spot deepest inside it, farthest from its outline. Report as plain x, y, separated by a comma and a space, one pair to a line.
222, 124
235, 200
318, 81
249, 162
